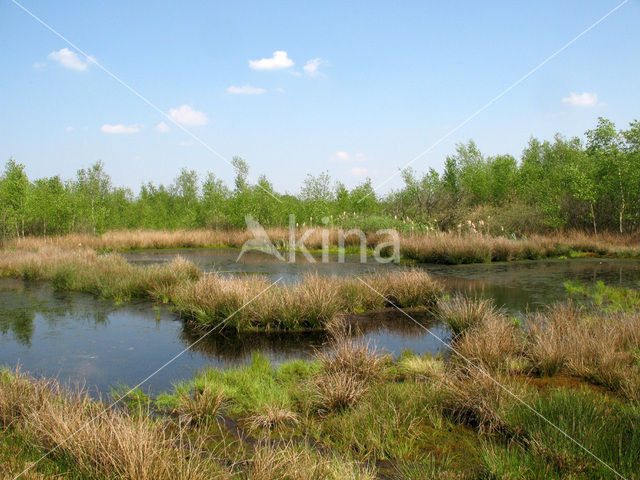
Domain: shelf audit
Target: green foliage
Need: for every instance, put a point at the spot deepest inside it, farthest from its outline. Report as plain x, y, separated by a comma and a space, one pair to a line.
558, 184
609, 298
578, 414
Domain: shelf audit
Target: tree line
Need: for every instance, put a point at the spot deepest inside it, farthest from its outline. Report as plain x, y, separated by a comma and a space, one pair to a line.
590, 184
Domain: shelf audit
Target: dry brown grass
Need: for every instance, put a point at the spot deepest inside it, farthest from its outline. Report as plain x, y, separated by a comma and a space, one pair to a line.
461, 313
497, 344
599, 347
308, 304
200, 407
298, 462
349, 354
271, 416
162, 239
98, 442
348, 368
478, 400
443, 247
450, 248
109, 275
212, 298
335, 391
407, 288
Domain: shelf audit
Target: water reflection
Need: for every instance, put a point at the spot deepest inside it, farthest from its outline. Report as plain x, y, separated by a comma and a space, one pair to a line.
516, 286
226, 261
81, 338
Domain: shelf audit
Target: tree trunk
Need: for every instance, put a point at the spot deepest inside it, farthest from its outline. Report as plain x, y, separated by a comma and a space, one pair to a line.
622, 200
593, 217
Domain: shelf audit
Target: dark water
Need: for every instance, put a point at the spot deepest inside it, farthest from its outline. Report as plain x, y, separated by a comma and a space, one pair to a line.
252, 262
83, 339
517, 286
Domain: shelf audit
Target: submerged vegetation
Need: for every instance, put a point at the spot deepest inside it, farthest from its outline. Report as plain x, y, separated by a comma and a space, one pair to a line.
352, 412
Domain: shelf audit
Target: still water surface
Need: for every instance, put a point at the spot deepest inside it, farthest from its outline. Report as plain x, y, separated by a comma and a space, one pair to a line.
82, 339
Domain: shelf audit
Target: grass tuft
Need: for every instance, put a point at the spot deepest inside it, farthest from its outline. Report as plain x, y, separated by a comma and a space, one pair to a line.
461, 313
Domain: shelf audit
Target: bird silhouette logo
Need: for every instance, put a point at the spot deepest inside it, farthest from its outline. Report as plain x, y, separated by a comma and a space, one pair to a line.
260, 241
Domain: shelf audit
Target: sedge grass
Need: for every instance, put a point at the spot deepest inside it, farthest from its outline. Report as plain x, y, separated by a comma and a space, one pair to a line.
108, 445
207, 299
352, 413
438, 247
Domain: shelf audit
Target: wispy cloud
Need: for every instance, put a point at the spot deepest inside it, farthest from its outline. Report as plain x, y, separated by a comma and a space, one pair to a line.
245, 90
346, 157
162, 127
279, 61
69, 129
120, 129
69, 59
185, 115
581, 99
311, 68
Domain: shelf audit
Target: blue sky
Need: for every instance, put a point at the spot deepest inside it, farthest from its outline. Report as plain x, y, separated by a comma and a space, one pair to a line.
384, 81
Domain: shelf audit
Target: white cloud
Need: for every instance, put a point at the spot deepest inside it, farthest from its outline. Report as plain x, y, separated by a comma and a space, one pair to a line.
311, 68
245, 90
359, 171
279, 61
39, 64
186, 143
185, 115
69, 59
162, 127
346, 157
120, 128
581, 99
69, 129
